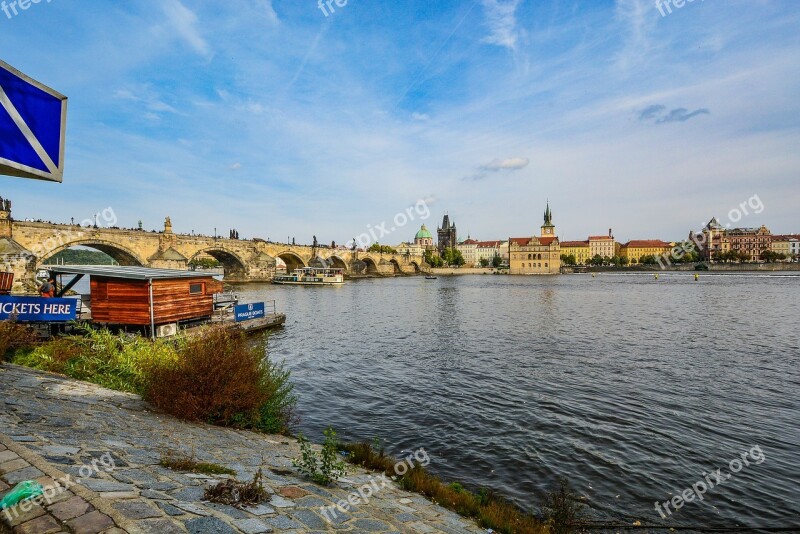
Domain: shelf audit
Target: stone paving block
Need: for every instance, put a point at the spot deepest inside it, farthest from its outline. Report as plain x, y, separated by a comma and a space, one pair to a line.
13, 465
252, 526
22, 513
44, 524
70, 509
192, 508
100, 485
169, 509
421, 527
279, 502
203, 525
230, 511
283, 522
309, 519
4, 486
91, 523
160, 526
260, 509
27, 473
292, 492
160, 486
7, 456
137, 509
193, 494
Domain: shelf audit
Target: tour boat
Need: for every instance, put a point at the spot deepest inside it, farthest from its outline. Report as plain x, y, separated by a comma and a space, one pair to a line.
312, 276
430, 277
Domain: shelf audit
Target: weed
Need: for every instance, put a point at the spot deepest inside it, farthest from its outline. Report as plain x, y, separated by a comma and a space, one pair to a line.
238, 494
323, 467
562, 509
178, 461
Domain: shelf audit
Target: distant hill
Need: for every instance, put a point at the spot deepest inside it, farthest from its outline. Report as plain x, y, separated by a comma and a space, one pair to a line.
73, 256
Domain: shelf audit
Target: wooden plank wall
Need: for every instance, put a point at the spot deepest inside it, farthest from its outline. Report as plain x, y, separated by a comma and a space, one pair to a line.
117, 301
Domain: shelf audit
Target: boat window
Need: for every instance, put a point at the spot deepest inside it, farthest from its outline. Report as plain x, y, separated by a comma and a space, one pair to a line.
196, 289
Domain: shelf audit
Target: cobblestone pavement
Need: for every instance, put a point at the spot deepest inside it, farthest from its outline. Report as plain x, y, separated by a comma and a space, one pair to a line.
98, 451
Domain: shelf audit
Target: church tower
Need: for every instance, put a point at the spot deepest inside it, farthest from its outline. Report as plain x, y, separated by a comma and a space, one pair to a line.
548, 228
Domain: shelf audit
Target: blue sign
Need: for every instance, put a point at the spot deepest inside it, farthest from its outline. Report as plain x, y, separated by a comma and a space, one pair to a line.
32, 127
248, 312
37, 309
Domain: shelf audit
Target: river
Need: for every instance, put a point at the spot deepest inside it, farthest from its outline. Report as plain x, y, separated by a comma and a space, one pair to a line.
629, 387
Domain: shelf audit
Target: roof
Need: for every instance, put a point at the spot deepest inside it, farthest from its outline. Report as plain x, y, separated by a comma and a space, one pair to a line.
526, 240
547, 240
469, 242
647, 243
568, 244
519, 240
489, 243
128, 273
168, 255
599, 237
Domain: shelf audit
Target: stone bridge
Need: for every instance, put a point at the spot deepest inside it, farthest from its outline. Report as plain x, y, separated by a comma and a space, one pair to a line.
26, 246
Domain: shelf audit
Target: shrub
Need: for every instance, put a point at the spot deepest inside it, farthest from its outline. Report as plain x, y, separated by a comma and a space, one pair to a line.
221, 378
119, 362
15, 336
178, 461
561, 509
322, 468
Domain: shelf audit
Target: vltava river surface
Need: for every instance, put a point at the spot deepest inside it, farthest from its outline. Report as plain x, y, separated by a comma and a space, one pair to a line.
632, 388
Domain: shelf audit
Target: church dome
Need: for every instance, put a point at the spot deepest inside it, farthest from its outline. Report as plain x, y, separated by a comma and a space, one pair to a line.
423, 233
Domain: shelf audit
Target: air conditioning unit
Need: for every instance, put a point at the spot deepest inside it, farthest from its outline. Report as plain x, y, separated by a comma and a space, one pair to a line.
167, 330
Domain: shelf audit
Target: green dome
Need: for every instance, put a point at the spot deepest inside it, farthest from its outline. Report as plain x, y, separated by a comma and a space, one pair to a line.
423, 233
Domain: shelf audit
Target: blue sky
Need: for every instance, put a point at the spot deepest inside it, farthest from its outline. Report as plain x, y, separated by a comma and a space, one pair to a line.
269, 117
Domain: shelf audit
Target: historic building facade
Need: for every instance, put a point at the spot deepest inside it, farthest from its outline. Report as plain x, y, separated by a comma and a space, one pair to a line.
536, 255
603, 245
579, 249
637, 249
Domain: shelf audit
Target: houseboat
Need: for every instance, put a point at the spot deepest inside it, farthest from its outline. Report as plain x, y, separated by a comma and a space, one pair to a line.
312, 276
159, 301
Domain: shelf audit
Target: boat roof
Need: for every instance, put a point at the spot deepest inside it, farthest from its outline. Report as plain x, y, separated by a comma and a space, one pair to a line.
128, 273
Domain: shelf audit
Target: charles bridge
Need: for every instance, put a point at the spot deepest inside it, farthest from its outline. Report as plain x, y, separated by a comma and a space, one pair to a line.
26, 246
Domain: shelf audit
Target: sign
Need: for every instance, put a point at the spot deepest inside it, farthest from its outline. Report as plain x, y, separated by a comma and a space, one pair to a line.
33, 121
248, 312
37, 309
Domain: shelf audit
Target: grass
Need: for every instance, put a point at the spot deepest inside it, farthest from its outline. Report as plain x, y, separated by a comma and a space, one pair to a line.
490, 511
189, 464
218, 376
15, 336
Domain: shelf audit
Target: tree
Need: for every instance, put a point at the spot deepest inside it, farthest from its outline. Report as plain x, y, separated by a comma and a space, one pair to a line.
624, 261
648, 260
597, 260
453, 256
568, 259
382, 249
497, 261
617, 261
484, 262
433, 259
771, 256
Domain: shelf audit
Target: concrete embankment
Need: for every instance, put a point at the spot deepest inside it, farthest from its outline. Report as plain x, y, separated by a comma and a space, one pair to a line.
98, 452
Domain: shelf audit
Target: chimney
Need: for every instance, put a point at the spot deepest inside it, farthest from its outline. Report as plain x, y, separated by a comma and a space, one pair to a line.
609, 233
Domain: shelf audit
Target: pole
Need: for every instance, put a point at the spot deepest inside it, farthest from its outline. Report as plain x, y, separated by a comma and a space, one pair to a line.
152, 316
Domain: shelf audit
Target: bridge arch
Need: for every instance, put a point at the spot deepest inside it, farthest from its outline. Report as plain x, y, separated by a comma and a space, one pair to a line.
233, 265
372, 266
338, 263
396, 265
416, 267
119, 253
292, 260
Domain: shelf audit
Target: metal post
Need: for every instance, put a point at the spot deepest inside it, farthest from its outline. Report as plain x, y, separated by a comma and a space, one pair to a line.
152, 316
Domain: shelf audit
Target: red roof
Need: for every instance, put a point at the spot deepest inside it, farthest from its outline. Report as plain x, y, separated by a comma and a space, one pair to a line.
598, 237
525, 240
647, 243
574, 244
489, 243
547, 240
469, 242
519, 240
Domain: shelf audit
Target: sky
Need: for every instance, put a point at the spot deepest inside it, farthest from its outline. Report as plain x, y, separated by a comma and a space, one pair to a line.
281, 118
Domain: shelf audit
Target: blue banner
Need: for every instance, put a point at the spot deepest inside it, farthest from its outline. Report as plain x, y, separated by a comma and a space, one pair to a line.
248, 312
38, 309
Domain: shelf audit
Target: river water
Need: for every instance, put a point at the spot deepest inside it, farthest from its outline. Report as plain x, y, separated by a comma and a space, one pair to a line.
631, 388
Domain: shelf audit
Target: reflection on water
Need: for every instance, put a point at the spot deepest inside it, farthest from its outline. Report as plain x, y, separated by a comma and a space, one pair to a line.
629, 387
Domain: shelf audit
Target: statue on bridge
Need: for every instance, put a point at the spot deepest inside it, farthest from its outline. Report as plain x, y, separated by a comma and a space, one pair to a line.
167, 225
5, 204
315, 242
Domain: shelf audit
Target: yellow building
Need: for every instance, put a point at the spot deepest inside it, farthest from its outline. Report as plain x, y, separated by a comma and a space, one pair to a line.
536, 255
579, 249
635, 250
781, 244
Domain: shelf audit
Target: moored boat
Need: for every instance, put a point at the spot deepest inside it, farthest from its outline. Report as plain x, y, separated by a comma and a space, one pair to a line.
312, 276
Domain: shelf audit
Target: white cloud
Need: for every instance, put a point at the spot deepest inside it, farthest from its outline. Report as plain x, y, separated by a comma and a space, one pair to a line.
511, 164
422, 117
236, 166
502, 22
184, 21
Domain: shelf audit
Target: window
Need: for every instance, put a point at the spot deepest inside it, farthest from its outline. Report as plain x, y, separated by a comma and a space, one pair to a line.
197, 289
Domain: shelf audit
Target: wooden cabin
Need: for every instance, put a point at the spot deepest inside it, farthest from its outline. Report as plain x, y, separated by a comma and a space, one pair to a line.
139, 296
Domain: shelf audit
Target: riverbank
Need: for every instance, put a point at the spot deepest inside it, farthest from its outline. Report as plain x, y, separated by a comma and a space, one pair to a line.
56, 427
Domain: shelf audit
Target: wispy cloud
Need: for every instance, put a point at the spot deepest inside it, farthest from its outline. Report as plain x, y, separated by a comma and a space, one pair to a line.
184, 21
502, 22
659, 114
498, 165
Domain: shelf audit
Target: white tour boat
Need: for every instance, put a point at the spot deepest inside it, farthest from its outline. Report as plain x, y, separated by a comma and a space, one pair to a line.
312, 276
